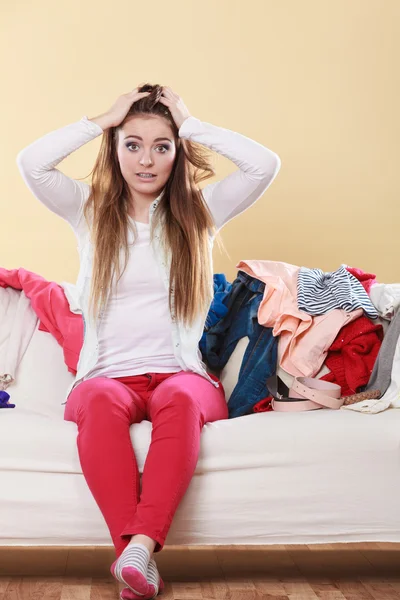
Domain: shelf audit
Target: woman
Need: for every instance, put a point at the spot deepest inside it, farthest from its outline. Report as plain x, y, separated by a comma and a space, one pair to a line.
145, 235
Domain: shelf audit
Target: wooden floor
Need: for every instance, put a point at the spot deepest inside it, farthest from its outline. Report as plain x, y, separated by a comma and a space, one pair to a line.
326, 572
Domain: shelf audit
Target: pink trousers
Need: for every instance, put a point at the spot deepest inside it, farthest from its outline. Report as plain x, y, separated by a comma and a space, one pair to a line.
178, 405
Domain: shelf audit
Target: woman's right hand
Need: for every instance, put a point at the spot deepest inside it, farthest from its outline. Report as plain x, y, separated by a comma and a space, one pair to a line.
119, 110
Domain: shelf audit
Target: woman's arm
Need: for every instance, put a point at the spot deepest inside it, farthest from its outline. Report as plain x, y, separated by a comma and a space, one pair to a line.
61, 194
258, 167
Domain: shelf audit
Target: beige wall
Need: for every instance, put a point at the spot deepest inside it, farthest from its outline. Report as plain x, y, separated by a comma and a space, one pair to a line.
317, 81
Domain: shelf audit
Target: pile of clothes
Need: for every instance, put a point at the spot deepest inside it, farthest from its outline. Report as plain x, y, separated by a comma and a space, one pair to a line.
342, 327
302, 322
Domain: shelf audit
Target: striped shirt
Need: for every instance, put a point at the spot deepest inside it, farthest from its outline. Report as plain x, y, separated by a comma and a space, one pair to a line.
319, 292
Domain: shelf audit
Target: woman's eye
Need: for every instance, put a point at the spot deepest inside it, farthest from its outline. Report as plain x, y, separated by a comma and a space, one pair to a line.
164, 147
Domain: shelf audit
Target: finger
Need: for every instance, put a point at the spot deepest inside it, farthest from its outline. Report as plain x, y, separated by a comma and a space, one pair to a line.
170, 98
173, 94
167, 91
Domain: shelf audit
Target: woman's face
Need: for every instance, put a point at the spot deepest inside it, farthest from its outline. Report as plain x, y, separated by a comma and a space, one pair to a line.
146, 145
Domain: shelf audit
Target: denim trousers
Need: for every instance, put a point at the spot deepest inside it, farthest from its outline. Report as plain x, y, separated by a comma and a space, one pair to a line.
260, 358
178, 405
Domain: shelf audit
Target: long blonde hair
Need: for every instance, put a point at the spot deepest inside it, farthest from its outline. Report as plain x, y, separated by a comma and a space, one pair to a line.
185, 218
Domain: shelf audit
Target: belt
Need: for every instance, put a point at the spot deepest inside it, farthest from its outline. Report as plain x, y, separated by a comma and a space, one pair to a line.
305, 393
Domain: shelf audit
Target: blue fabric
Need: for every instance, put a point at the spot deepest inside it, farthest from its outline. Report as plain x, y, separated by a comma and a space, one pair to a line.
260, 358
4, 400
218, 308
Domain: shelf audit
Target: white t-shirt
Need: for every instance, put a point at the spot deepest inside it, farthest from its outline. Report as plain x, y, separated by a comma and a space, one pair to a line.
135, 335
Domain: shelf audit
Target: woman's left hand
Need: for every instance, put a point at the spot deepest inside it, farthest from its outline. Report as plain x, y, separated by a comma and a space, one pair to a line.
176, 106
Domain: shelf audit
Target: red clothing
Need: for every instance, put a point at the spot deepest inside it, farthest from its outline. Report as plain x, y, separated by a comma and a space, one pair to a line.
177, 405
49, 302
263, 405
352, 355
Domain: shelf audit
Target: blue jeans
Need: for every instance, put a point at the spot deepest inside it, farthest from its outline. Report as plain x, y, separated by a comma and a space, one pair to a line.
218, 308
260, 358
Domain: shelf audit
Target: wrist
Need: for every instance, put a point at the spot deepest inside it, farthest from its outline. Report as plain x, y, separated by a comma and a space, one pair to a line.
184, 120
103, 121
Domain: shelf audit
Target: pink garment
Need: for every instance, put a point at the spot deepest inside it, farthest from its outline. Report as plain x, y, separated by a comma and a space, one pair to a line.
49, 302
304, 340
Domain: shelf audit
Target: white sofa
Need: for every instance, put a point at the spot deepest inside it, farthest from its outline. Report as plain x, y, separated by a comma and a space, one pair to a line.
268, 478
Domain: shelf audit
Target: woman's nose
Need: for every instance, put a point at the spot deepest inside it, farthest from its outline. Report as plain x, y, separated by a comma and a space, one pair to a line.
145, 160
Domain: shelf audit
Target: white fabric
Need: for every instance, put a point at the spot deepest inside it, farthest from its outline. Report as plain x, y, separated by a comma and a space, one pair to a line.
267, 478
258, 167
229, 375
135, 334
17, 324
386, 298
371, 407
72, 295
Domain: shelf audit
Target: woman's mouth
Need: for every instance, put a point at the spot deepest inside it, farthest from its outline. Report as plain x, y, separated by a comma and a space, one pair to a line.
146, 176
